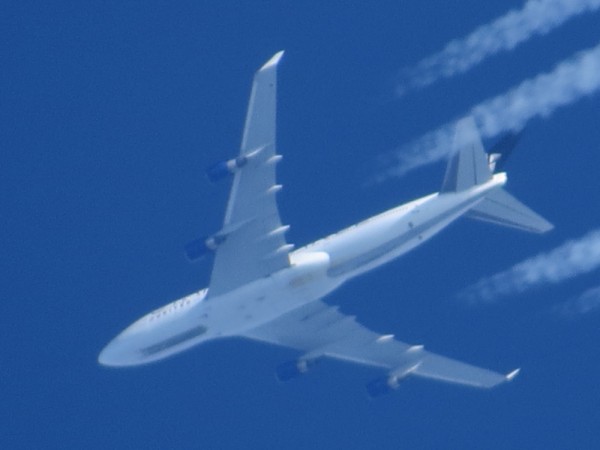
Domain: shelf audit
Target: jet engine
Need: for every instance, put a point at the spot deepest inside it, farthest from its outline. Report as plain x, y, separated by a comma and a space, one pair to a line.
391, 382
293, 369
381, 386
224, 169
199, 248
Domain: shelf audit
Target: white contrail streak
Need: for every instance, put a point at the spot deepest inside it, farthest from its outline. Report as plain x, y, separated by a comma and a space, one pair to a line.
571, 259
536, 17
570, 80
587, 302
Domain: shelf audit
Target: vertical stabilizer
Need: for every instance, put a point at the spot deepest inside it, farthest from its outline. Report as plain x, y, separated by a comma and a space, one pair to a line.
469, 164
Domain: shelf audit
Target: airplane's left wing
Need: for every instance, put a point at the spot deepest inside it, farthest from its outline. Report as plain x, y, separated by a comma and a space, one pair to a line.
252, 242
319, 330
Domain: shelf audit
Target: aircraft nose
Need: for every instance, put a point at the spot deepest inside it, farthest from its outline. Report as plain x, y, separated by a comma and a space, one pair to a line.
116, 354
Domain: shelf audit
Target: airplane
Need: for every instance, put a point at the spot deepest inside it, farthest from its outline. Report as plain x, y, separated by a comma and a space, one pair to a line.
264, 290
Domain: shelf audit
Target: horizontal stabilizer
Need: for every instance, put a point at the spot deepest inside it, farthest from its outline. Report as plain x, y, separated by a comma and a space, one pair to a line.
501, 208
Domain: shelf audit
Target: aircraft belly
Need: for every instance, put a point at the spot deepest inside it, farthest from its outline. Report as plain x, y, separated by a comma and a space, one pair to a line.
178, 326
312, 275
401, 246
369, 247
304, 281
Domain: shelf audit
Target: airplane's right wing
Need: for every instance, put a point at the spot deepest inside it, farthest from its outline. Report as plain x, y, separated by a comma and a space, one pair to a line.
320, 330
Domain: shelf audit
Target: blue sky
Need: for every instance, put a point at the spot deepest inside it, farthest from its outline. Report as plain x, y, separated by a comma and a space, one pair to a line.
110, 113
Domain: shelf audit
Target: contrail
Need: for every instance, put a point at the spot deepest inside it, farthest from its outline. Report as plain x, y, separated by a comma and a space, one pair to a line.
571, 79
569, 260
536, 17
587, 302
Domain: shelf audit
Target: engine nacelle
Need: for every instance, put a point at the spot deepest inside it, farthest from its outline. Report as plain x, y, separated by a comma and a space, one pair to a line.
391, 382
382, 386
199, 248
224, 169
293, 369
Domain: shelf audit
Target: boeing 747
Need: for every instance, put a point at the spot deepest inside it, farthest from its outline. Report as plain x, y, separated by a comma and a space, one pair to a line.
263, 289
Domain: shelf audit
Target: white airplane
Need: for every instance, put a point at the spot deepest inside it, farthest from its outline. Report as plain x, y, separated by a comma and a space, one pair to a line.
262, 289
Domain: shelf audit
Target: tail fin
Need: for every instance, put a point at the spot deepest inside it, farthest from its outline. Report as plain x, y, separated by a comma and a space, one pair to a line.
501, 151
470, 166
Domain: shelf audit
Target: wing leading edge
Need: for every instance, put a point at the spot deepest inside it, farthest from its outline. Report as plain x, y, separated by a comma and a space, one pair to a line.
253, 242
319, 330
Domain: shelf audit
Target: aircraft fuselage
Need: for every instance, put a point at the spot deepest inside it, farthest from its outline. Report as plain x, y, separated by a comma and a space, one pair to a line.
316, 270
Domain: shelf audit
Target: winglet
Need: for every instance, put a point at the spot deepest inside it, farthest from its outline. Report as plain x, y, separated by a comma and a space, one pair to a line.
511, 376
273, 61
